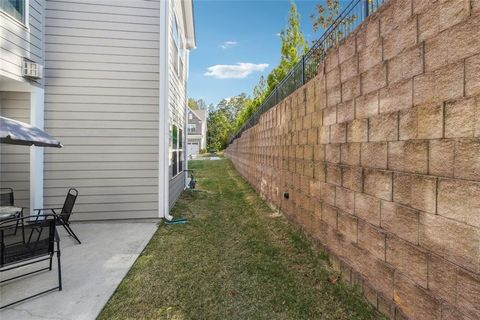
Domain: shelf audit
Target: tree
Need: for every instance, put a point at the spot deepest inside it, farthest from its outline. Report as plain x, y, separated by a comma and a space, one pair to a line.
294, 46
235, 105
260, 89
219, 130
222, 120
196, 104
240, 108
325, 14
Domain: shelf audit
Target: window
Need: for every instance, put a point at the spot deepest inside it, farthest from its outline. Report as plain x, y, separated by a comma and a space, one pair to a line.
181, 58
180, 150
180, 139
174, 137
176, 155
14, 8
190, 116
176, 33
192, 127
178, 48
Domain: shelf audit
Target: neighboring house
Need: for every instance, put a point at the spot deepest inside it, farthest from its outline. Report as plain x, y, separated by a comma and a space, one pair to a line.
196, 132
112, 90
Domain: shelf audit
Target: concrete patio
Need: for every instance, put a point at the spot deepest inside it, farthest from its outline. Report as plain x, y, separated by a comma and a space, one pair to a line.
90, 272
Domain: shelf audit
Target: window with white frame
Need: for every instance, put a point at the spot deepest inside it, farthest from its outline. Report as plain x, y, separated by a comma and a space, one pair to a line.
181, 64
14, 8
178, 49
176, 33
192, 127
176, 151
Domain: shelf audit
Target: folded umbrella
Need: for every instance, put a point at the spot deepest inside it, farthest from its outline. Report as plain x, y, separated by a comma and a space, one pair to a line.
16, 132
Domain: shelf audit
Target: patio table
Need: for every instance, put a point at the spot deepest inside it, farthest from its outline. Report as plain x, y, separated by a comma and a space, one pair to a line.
7, 212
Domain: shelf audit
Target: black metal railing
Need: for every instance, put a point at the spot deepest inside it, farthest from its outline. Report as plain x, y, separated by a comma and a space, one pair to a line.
350, 18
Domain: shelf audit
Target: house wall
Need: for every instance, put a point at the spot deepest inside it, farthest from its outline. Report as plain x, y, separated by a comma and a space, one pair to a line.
15, 160
102, 103
176, 187
177, 98
198, 124
199, 118
380, 157
18, 41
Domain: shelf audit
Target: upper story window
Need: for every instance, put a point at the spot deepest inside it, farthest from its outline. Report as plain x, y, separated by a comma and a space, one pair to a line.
190, 116
179, 49
192, 127
176, 151
14, 8
176, 32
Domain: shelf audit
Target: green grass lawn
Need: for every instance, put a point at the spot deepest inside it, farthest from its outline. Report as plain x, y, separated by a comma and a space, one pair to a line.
235, 259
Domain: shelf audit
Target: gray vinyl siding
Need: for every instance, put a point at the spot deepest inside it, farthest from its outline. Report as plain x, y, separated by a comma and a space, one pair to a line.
176, 187
197, 122
101, 102
177, 99
18, 41
177, 86
15, 160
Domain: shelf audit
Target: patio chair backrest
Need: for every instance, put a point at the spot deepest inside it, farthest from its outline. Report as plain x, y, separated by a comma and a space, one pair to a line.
6, 197
68, 204
36, 239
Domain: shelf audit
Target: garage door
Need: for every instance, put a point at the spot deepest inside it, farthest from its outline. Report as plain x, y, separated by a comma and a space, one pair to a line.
193, 149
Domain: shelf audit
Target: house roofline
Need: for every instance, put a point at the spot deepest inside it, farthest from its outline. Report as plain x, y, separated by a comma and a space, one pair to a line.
196, 115
189, 24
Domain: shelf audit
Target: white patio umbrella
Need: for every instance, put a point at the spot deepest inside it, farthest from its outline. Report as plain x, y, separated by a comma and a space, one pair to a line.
17, 132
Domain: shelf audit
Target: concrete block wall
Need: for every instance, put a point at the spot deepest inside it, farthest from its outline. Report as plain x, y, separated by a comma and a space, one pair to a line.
380, 156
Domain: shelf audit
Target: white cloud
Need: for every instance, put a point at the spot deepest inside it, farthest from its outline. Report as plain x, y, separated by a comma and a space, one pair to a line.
235, 71
228, 44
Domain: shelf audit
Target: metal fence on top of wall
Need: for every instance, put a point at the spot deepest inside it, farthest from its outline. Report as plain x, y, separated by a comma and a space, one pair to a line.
350, 18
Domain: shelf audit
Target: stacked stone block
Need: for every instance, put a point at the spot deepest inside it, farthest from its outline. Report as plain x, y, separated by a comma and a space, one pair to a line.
380, 157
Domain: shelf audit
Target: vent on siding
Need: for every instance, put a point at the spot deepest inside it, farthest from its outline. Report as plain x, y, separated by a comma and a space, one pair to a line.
31, 70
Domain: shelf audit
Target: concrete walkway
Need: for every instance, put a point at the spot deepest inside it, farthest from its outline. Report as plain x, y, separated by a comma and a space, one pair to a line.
91, 272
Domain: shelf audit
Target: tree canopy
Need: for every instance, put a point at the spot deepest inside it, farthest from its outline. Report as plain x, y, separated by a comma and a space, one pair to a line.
222, 119
326, 14
196, 104
294, 46
230, 114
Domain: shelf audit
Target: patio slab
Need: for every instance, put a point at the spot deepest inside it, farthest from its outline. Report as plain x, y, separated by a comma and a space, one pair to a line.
90, 272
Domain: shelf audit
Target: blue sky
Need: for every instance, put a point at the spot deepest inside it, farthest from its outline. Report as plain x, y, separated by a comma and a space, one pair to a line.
230, 32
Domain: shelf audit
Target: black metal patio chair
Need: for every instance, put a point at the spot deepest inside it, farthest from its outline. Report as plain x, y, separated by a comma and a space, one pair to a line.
7, 199
63, 215
15, 252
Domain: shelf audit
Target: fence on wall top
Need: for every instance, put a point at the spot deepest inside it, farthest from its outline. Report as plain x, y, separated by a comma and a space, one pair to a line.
305, 70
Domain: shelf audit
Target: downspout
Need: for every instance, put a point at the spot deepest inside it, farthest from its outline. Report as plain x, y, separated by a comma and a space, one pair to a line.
163, 114
185, 127
185, 140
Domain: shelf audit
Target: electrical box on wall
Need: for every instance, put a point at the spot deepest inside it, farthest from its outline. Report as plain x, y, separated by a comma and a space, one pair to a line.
31, 70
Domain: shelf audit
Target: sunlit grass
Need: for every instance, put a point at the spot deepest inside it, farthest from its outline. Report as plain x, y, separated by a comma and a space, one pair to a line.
233, 260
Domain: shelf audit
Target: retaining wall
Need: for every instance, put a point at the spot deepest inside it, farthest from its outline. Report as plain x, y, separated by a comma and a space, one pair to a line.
380, 156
